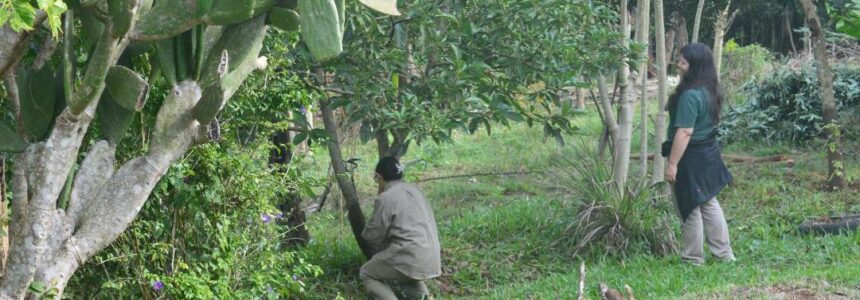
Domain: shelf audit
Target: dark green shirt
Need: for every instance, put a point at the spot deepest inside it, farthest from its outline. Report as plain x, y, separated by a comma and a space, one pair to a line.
692, 111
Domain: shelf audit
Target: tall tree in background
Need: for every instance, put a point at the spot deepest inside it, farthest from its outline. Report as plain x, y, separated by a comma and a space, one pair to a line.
724, 21
697, 21
662, 90
836, 167
621, 157
642, 37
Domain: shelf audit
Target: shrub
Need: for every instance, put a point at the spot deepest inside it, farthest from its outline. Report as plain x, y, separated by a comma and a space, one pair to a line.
617, 224
209, 231
786, 105
741, 65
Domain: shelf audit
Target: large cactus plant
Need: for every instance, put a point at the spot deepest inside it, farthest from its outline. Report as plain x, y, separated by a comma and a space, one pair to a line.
203, 48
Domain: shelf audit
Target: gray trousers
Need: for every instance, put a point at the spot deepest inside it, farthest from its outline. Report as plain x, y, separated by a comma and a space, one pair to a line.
375, 274
706, 222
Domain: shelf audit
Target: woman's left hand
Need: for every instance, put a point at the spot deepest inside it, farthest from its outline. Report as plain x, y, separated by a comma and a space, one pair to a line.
671, 171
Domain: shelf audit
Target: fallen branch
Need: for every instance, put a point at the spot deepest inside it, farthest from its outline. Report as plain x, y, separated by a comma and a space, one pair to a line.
739, 158
477, 175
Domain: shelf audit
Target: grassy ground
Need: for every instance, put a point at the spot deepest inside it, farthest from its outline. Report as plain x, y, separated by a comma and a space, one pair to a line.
500, 234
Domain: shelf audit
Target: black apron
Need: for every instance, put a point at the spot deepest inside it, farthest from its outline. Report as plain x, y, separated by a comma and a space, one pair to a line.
702, 174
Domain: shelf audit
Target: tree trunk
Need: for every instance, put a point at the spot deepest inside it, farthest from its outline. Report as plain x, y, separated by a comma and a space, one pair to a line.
828, 104
609, 122
580, 99
4, 228
679, 24
642, 37
668, 41
290, 205
387, 146
698, 21
724, 20
14, 44
789, 31
49, 243
347, 188
662, 90
621, 157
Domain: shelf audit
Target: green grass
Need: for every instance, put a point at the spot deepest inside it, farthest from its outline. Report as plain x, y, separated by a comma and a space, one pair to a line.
500, 234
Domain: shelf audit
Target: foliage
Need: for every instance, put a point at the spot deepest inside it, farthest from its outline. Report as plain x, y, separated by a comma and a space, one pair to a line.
786, 105
609, 222
462, 64
846, 15
741, 65
21, 14
210, 230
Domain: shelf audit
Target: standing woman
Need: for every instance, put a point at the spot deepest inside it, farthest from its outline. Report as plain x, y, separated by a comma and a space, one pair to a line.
695, 168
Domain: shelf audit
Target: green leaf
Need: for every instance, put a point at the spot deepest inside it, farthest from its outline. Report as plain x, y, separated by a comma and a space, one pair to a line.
37, 90
321, 28
365, 132
23, 16
126, 87
10, 141
473, 125
113, 118
299, 138
226, 12
284, 19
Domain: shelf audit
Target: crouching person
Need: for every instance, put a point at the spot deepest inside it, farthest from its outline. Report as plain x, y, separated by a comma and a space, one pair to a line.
402, 233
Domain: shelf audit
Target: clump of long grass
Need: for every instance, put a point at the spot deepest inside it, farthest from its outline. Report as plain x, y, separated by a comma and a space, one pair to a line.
605, 219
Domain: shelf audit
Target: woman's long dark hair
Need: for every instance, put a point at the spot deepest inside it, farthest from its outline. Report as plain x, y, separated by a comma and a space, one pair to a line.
701, 73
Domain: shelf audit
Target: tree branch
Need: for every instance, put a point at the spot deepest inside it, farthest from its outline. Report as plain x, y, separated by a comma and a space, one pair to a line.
15, 101
95, 170
13, 45
49, 45
477, 175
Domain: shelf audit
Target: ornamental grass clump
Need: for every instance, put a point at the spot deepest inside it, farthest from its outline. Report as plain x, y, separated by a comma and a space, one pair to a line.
606, 221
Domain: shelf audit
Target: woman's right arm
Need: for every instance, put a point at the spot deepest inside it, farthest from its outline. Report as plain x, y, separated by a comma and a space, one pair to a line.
679, 145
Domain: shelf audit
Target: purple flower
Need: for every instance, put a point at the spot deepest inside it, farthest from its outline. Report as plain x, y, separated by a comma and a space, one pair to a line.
279, 216
303, 109
266, 218
157, 285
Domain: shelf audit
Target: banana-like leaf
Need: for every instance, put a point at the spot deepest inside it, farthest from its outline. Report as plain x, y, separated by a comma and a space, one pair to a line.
243, 62
122, 15
341, 15
226, 12
37, 91
210, 103
284, 19
262, 6
9, 141
242, 43
126, 87
113, 118
166, 19
321, 28
388, 7
166, 56
92, 27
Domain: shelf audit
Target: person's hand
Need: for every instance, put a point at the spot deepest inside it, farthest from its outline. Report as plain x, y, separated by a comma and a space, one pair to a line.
671, 171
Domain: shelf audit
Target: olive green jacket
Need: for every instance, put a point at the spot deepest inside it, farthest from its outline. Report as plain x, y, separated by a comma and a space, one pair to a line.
402, 232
